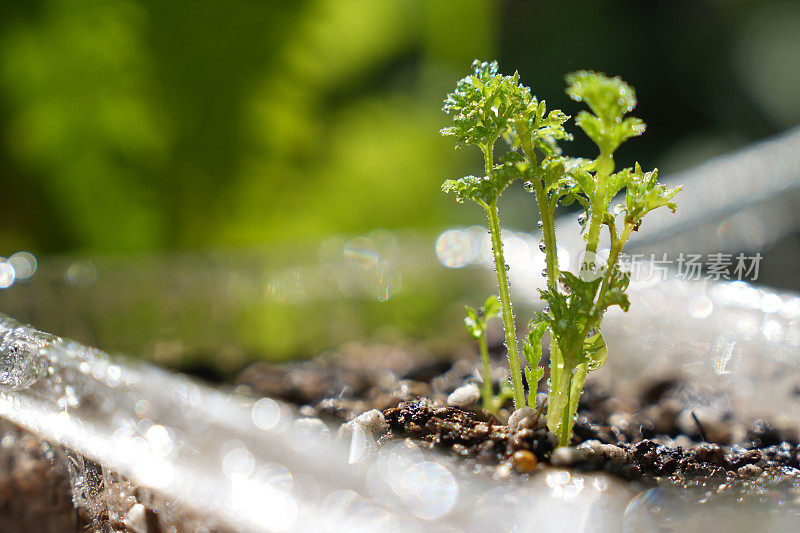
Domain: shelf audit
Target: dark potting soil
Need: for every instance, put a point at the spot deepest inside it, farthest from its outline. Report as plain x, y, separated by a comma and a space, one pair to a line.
649, 438
44, 488
34, 490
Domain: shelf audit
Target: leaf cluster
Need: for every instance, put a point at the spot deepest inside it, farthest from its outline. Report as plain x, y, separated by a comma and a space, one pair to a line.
644, 194
542, 129
476, 319
483, 103
575, 310
487, 189
532, 350
610, 99
486, 106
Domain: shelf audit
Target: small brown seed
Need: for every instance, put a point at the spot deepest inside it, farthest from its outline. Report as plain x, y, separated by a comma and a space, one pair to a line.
525, 461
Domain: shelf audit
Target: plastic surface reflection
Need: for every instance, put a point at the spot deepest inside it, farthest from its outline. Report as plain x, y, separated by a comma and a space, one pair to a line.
207, 458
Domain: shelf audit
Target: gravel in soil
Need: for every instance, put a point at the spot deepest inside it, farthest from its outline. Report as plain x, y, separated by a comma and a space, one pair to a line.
650, 438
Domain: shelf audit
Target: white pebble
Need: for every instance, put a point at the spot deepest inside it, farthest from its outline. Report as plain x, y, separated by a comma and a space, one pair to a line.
568, 455
614, 454
519, 415
464, 396
135, 519
374, 421
371, 421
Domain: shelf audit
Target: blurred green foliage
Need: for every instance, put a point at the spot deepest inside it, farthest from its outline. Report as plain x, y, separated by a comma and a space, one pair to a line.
146, 124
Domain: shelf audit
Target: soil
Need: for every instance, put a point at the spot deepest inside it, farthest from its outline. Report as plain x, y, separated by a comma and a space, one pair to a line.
649, 438
36, 494
34, 490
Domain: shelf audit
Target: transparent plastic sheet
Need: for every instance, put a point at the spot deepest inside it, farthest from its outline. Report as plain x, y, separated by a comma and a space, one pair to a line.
136, 438
213, 457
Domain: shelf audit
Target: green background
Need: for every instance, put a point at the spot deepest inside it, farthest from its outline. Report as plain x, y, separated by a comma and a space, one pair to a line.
158, 125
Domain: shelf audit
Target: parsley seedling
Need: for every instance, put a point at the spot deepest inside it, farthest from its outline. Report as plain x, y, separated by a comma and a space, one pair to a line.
487, 106
475, 324
482, 107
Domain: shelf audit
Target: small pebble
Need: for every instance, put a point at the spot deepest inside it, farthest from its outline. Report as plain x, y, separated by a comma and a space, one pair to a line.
464, 396
615, 455
374, 421
525, 461
135, 519
568, 456
749, 470
590, 444
481, 429
518, 416
683, 441
307, 411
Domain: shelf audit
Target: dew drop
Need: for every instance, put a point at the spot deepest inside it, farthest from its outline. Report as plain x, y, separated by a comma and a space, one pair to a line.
544, 273
582, 218
542, 246
540, 224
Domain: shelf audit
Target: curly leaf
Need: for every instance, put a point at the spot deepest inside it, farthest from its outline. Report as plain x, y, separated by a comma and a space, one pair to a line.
532, 350
570, 312
616, 182
491, 308
473, 323
471, 188
615, 293
585, 180
645, 193
483, 103
595, 351
533, 344
610, 99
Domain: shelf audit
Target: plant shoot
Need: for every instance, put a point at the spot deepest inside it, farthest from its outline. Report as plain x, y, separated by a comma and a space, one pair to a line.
487, 106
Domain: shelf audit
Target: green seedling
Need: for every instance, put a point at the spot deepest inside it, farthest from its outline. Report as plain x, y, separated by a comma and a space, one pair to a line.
487, 106
475, 324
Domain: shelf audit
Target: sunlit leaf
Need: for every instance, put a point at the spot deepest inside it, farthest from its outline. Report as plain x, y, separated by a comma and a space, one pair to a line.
595, 351
645, 193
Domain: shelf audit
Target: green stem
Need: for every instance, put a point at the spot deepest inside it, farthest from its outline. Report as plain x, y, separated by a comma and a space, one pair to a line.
551, 258
576, 382
559, 400
546, 211
617, 242
616, 248
605, 166
505, 305
549, 235
547, 215
486, 389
